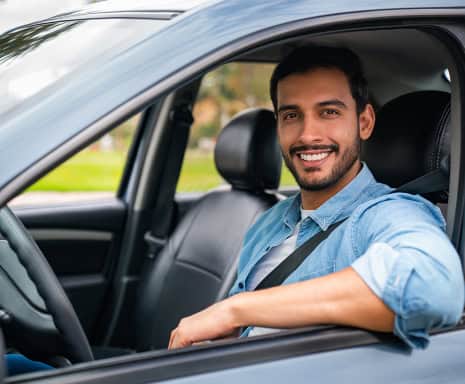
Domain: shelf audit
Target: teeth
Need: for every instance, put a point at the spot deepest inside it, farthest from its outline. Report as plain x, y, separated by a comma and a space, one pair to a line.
316, 157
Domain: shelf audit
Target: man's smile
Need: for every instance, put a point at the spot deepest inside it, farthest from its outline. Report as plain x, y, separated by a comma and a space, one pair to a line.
312, 156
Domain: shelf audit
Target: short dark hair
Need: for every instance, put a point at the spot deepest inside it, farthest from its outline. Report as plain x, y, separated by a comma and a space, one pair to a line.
310, 57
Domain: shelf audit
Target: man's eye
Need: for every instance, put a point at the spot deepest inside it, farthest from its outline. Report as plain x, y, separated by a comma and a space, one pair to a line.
290, 116
330, 112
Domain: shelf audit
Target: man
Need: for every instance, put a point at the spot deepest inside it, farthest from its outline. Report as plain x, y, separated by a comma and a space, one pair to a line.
388, 267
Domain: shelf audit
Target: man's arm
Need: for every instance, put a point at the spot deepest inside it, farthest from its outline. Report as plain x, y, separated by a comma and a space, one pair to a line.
339, 298
408, 280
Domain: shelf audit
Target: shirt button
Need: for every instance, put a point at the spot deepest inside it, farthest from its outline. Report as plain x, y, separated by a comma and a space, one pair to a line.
241, 285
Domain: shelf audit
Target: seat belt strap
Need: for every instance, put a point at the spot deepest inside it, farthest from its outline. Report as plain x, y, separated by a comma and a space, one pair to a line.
164, 209
433, 181
293, 261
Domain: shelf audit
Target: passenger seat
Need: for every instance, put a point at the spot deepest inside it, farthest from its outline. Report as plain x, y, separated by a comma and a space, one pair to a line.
411, 139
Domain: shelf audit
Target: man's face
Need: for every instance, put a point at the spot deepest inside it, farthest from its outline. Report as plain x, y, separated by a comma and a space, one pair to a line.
318, 128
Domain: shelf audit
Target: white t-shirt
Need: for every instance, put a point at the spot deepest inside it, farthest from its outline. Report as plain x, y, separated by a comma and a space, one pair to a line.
270, 261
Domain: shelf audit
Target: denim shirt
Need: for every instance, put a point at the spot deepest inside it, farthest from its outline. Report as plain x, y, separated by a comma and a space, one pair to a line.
395, 241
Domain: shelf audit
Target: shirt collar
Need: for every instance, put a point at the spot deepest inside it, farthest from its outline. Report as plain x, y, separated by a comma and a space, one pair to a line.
337, 207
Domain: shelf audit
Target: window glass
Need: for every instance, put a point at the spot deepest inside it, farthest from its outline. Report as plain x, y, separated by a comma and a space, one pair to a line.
94, 173
35, 57
223, 93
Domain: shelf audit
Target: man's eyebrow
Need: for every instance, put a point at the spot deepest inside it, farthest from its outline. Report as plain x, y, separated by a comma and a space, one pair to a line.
287, 107
325, 103
333, 102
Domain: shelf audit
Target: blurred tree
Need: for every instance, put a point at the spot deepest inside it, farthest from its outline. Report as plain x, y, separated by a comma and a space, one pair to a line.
226, 91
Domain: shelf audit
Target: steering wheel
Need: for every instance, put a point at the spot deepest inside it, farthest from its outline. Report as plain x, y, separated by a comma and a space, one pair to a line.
35, 313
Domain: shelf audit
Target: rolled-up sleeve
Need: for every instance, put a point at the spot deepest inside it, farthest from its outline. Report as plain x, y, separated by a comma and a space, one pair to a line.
412, 266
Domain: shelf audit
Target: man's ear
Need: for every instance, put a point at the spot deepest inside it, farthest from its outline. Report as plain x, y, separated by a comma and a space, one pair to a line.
366, 122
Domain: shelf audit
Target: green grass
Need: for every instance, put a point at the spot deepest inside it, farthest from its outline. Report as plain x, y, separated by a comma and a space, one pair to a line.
101, 171
286, 178
198, 173
87, 171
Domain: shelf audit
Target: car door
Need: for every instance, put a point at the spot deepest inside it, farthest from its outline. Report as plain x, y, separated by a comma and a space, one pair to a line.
78, 212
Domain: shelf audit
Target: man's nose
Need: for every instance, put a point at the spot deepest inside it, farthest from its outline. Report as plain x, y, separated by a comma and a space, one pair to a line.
311, 129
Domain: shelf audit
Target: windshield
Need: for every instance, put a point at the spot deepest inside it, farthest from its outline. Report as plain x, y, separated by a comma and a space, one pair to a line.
35, 57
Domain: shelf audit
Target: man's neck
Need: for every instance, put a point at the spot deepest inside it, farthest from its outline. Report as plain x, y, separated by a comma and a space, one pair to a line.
314, 199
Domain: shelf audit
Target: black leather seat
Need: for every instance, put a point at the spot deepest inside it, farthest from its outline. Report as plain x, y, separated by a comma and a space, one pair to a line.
411, 139
197, 266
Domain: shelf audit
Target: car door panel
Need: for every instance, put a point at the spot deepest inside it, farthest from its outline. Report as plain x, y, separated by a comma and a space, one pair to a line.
340, 356
375, 363
81, 243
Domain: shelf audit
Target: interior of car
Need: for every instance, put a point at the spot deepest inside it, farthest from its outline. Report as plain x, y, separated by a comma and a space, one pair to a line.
176, 253
413, 104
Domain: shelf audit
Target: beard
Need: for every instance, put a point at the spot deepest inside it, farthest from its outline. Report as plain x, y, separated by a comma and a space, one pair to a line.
344, 163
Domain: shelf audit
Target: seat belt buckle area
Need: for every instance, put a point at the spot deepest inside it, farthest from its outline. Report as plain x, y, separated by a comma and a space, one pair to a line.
154, 243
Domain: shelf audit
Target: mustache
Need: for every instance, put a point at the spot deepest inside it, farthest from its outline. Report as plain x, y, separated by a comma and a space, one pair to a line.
313, 147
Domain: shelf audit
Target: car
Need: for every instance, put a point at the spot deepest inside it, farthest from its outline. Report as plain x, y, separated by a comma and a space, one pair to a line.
118, 273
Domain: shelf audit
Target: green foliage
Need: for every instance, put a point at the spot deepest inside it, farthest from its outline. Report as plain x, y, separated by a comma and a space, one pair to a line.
209, 129
226, 91
124, 134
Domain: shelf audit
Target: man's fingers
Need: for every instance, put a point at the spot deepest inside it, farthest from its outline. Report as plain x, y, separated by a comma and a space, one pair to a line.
212, 323
179, 340
176, 340
172, 338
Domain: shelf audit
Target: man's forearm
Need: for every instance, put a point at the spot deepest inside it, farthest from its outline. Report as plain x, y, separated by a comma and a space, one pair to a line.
339, 298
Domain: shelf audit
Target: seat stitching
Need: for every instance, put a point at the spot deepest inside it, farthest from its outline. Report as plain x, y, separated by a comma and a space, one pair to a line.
444, 118
440, 133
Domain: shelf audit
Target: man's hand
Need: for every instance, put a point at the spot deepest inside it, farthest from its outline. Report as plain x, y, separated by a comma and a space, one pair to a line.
217, 321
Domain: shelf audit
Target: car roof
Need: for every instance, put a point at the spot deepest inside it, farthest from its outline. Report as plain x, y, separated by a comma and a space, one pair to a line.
140, 6
148, 68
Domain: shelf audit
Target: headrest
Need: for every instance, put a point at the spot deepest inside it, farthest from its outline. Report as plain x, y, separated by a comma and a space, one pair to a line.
247, 152
411, 137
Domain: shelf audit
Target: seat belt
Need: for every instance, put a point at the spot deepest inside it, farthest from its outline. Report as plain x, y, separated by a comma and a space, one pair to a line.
434, 181
164, 209
292, 262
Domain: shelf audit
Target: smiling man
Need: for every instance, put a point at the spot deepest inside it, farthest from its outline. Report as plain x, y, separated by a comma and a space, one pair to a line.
388, 266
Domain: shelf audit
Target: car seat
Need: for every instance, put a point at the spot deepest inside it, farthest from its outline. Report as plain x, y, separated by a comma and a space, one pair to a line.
197, 265
410, 145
